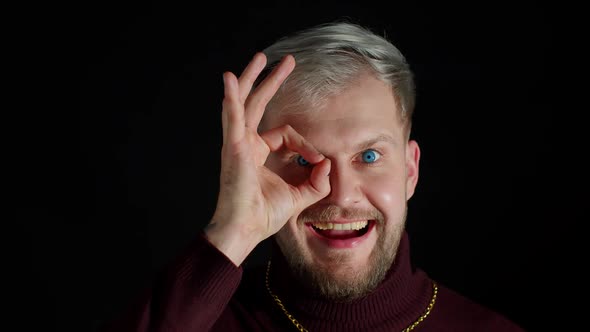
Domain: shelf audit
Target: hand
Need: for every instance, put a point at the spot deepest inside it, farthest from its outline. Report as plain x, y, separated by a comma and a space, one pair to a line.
254, 202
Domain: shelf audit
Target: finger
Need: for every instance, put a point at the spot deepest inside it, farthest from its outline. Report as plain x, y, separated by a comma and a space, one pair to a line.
249, 75
234, 126
224, 124
316, 187
257, 101
287, 137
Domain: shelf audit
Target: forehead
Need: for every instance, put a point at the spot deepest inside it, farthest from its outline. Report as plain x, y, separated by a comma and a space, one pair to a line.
366, 108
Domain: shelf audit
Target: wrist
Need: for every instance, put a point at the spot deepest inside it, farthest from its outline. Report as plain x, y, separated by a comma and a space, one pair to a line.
236, 244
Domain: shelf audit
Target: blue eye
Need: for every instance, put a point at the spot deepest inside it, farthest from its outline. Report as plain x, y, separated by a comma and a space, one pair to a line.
370, 156
301, 161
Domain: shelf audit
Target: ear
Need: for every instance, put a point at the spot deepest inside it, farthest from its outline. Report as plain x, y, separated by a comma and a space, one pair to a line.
412, 167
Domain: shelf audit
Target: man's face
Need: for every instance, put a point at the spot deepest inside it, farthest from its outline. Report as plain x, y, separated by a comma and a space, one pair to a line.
343, 245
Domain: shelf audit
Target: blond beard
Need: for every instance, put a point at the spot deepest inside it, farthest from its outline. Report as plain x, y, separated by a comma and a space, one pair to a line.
346, 282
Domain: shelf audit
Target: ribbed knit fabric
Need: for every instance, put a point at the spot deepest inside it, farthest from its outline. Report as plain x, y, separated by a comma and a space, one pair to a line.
203, 291
395, 304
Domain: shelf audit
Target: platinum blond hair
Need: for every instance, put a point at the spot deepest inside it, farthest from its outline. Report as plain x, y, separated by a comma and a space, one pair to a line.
331, 56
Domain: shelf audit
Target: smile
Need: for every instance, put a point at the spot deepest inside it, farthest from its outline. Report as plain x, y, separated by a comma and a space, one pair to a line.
341, 234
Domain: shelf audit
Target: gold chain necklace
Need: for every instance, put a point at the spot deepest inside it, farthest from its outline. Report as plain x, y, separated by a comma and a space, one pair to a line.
303, 329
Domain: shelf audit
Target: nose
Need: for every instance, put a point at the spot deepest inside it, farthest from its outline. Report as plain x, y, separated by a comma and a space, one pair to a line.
345, 186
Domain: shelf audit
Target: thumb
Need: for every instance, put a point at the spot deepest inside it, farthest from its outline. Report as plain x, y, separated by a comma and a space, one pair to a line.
316, 187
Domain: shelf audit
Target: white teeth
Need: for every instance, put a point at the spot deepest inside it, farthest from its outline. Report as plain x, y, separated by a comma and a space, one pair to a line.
344, 227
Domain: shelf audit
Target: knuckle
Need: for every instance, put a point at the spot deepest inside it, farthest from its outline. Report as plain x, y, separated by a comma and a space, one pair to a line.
263, 101
227, 101
246, 81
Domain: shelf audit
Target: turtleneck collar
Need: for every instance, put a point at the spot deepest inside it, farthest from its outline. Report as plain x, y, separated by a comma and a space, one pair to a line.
397, 302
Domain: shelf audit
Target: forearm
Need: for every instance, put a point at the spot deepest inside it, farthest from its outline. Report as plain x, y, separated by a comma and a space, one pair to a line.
190, 295
235, 244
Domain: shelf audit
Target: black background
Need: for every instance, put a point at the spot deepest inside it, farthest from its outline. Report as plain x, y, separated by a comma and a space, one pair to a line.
121, 139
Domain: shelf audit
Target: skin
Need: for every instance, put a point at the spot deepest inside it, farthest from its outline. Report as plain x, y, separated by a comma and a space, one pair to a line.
254, 202
263, 191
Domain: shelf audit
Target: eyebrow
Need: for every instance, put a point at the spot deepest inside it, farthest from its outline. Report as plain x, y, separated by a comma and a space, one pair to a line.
372, 141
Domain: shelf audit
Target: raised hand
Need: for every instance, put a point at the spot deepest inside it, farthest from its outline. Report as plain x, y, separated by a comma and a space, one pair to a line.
254, 202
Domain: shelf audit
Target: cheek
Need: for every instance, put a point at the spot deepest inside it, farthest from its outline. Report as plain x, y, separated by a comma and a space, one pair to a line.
291, 236
386, 192
291, 230
295, 175
290, 173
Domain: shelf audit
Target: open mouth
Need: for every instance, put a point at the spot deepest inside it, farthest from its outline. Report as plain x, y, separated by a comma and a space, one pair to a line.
341, 231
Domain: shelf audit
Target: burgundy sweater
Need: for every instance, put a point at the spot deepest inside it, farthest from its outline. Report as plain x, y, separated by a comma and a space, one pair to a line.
204, 291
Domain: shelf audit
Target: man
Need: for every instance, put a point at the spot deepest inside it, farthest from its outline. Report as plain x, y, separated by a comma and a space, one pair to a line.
317, 158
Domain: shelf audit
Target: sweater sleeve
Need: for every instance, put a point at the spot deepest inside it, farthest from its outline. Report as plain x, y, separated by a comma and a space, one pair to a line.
190, 295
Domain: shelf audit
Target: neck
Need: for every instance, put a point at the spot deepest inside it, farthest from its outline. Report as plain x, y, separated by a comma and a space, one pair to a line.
399, 299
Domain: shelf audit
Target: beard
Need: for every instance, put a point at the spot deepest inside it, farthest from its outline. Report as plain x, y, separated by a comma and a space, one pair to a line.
347, 282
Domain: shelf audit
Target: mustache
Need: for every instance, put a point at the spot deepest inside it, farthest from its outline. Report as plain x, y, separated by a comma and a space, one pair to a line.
333, 212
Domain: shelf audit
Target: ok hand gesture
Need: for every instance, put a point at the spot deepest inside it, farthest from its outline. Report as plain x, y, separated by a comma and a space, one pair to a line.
254, 202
